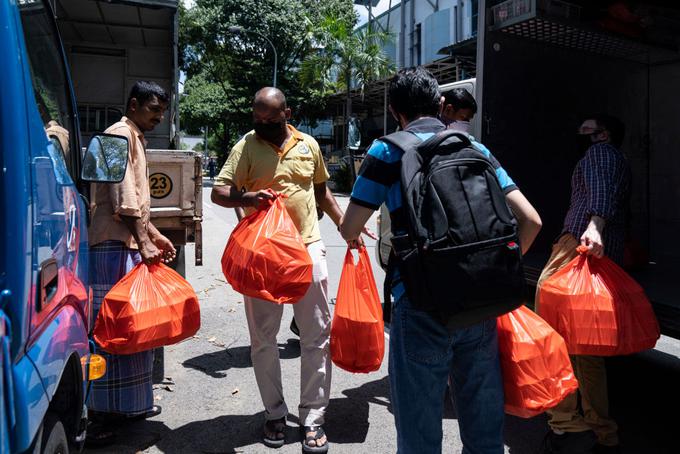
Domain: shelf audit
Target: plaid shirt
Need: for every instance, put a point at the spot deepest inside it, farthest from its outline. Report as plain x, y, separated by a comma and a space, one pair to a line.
600, 186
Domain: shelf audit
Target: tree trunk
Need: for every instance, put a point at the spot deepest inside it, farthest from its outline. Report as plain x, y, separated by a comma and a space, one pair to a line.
225, 137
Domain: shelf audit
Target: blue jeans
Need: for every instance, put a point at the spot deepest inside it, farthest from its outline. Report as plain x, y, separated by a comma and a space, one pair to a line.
423, 354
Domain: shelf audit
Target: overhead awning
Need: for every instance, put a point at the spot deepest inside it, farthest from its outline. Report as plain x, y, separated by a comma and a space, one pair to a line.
466, 48
373, 3
445, 70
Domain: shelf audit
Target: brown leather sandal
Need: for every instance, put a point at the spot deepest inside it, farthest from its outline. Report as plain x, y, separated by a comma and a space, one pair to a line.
318, 434
276, 427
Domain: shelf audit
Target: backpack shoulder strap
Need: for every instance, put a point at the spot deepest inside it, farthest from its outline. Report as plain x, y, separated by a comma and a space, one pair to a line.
404, 140
446, 138
411, 164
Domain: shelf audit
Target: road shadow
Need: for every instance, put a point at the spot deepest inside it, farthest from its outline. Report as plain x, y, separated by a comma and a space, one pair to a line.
640, 387
222, 435
449, 404
347, 418
521, 436
133, 438
524, 436
345, 423
217, 363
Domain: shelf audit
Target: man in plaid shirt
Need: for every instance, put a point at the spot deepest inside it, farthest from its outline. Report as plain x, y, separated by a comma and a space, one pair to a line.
596, 219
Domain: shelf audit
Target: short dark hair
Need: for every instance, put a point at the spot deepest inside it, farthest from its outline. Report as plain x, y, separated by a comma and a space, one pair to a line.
414, 92
616, 128
460, 98
143, 91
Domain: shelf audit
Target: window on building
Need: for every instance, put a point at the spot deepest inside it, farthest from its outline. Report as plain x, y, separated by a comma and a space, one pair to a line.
474, 16
456, 25
417, 44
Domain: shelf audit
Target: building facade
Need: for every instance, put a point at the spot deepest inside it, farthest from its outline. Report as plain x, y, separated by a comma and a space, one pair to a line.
421, 29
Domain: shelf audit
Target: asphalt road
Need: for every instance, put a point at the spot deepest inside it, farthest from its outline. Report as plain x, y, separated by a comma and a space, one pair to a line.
211, 404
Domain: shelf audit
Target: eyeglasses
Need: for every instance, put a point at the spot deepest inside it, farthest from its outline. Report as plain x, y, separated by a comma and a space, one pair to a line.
586, 130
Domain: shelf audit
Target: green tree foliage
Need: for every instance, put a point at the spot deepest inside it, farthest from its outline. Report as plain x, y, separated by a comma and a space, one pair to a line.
345, 59
225, 69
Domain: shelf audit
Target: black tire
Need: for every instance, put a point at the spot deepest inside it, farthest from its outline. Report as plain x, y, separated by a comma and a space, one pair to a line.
54, 436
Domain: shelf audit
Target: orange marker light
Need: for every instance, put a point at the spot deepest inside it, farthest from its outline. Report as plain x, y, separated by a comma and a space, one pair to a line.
96, 366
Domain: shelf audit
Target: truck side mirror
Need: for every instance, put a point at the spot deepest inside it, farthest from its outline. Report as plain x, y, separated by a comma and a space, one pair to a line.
105, 159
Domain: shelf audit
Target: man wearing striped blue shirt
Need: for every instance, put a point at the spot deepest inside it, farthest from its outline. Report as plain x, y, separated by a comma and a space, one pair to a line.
422, 350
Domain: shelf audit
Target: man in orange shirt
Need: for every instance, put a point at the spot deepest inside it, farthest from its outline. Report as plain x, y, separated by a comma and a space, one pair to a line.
121, 235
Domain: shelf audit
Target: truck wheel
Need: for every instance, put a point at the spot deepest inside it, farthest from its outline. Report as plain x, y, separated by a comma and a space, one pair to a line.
54, 436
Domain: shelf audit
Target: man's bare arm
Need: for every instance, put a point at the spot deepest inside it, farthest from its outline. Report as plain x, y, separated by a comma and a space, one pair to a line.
327, 203
231, 197
150, 252
240, 213
162, 242
354, 221
527, 217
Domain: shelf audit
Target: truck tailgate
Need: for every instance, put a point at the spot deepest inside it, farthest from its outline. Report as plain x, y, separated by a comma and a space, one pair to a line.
175, 182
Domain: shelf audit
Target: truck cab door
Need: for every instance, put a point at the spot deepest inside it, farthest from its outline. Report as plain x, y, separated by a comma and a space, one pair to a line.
58, 309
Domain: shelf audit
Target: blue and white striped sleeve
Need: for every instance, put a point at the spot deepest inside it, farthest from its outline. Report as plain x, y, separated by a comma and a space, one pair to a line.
379, 171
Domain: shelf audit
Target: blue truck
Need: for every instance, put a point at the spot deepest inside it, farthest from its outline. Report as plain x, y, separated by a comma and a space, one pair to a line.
45, 300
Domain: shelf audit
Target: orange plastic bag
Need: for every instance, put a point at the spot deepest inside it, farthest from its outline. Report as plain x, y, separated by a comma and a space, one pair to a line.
150, 307
537, 372
266, 258
357, 331
598, 308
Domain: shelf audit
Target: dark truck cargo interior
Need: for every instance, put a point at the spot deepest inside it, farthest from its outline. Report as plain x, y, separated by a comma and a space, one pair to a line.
545, 68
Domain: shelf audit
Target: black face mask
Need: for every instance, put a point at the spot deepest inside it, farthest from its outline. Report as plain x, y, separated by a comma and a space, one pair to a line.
584, 142
271, 132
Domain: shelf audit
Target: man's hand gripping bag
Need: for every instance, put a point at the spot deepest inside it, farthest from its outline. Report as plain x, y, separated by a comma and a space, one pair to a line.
598, 308
266, 258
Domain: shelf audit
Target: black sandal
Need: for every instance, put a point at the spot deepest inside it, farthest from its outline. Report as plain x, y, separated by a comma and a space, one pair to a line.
155, 411
276, 427
319, 433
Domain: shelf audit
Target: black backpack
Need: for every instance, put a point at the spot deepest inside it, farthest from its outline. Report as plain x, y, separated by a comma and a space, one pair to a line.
460, 259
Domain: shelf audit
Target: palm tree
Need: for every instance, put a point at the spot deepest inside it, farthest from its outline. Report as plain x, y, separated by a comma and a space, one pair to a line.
345, 59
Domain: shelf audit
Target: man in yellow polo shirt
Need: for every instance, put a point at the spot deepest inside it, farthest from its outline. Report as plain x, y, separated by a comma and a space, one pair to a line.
276, 156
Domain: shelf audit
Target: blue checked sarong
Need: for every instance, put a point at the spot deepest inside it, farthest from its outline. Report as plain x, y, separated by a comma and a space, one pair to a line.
126, 388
